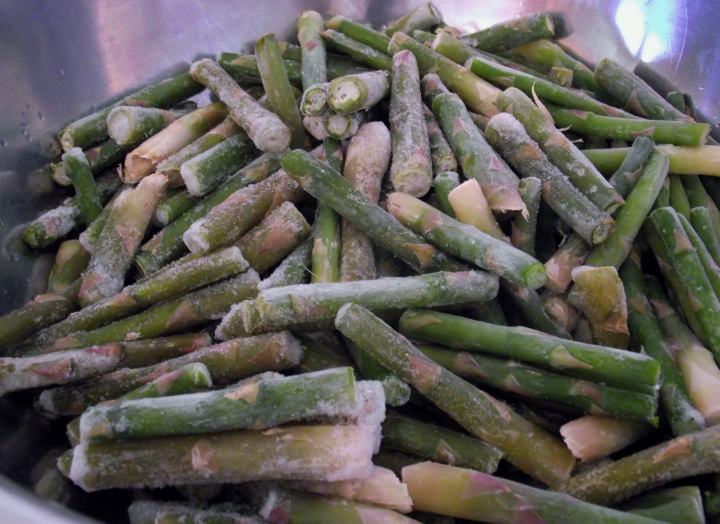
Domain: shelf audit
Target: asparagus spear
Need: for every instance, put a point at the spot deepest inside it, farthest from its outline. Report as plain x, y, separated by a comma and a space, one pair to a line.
313, 304
120, 238
314, 100
358, 51
44, 310
685, 456
443, 158
703, 224
424, 16
699, 197
678, 199
444, 183
291, 271
227, 362
524, 228
265, 129
702, 160
352, 93
89, 237
362, 33
467, 242
614, 367
560, 150
174, 205
93, 128
576, 209
470, 206
87, 195
594, 437
432, 86
312, 48
323, 183
631, 168
71, 260
682, 505
709, 265
633, 93
323, 350
479, 413
128, 125
507, 35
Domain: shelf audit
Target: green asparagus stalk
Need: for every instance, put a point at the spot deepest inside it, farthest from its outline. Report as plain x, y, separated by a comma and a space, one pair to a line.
291, 271
467, 242
678, 200
712, 270
682, 505
631, 168
295, 306
524, 228
167, 245
470, 206
507, 35
633, 93
44, 310
645, 330
151, 512
267, 131
89, 237
699, 197
444, 183
424, 16
352, 93
358, 51
477, 158
362, 33
685, 456
525, 445
560, 150
702, 160
312, 48
120, 238
173, 206
129, 125
334, 191
529, 305
479, 95
93, 128
281, 231
326, 246
71, 260
368, 158
397, 392
560, 311
702, 222
594, 437
227, 362
87, 195
509, 137
426, 37
614, 367
473, 495
443, 158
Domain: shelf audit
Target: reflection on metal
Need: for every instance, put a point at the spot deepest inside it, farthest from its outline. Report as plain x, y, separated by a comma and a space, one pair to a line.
651, 33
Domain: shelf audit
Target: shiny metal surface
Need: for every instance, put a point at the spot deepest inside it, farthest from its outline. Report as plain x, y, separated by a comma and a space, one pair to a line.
60, 58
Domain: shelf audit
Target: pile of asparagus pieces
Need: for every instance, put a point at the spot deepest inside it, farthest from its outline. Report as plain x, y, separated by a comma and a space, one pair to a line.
553, 312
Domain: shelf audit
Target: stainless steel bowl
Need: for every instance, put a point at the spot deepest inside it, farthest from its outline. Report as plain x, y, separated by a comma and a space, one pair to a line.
60, 59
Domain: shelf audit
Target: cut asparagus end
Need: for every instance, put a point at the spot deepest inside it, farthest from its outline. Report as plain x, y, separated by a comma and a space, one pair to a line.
594, 437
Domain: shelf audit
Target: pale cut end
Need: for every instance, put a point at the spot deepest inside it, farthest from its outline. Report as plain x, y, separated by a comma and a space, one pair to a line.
191, 180
370, 404
594, 437
195, 238
344, 96
315, 126
136, 167
702, 378
230, 325
470, 207
120, 124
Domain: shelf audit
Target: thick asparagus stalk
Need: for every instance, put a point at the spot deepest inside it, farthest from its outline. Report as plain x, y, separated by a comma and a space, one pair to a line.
358, 51
173, 206
507, 35
87, 195
295, 306
524, 228
594, 437
71, 260
352, 93
703, 225
239, 212
614, 367
443, 158
470, 206
437, 443
702, 160
411, 170
632, 166
444, 183
424, 16
479, 95
332, 190
120, 238
560, 150
473, 495
291, 271
681, 505
227, 362
509, 137
467, 242
362, 33
312, 48
93, 128
151, 512
685, 456
480, 414
265, 129
42, 311
633, 93
128, 125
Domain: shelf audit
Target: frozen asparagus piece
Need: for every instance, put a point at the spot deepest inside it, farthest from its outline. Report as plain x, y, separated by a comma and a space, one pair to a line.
366, 163
594, 437
256, 403
120, 238
342, 126
358, 51
530, 382
42, 311
524, 228
291, 271
614, 367
443, 158
432, 86
678, 199
509, 137
282, 507
483, 416
87, 195
362, 33
128, 125
685, 456
560, 150
632, 166
702, 160
89, 237
682, 505
294, 306
312, 48
397, 392
323, 183
433, 442
411, 170
239, 212
265, 129
479, 95
319, 452
424, 16
633, 93
513, 33
57, 368
473, 495
152, 512
467, 242
662, 131
444, 183
71, 260
470, 206
699, 197
352, 93
709, 265
530, 308
314, 100
278, 89
227, 362
175, 203
702, 223
93, 128
275, 237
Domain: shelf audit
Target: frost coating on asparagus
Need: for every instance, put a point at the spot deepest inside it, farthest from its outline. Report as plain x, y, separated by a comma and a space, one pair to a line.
342, 126
358, 92
131, 124
314, 100
87, 194
265, 129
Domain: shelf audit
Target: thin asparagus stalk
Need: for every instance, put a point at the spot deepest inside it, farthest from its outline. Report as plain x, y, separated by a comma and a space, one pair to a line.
682, 505
614, 367
89, 237
444, 183
678, 199
443, 158
426, 37
470, 206
312, 48
87, 195
709, 265
424, 16
71, 260
432, 86
362, 33
524, 228
44, 310
509, 137
467, 242
702, 160
291, 271
315, 125
227, 362
631, 168
593, 437
352, 93
508, 35
295, 306
265, 129
702, 222
129, 125
323, 350
173, 206
358, 51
